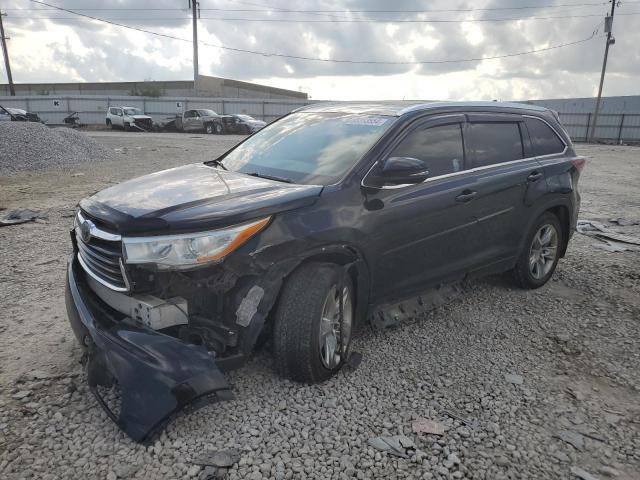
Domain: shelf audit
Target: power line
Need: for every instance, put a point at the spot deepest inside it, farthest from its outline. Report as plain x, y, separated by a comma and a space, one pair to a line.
269, 8
326, 60
283, 20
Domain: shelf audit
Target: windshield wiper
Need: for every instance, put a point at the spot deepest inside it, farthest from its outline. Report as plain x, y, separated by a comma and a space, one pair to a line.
217, 163
271, 177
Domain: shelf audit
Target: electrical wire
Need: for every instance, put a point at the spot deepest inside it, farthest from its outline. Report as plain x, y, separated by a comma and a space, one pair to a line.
286, 20
325, 60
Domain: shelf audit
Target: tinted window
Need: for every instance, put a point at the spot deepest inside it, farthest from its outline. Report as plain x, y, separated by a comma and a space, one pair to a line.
544, 139
189, 114
308, 147
495, 143
439, 147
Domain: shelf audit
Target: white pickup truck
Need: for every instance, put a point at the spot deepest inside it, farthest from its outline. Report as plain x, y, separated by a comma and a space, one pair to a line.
128, 118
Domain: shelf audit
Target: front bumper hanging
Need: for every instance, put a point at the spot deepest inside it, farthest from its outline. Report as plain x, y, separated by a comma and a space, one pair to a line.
157, 375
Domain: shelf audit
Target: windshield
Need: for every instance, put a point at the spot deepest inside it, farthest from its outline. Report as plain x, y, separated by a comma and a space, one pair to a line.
207, 113
132, 111
308, 147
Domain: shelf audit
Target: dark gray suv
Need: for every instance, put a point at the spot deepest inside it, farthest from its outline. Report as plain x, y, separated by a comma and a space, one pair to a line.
302, 232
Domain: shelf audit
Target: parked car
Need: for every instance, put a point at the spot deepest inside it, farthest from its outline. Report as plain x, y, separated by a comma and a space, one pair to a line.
198, 120
242, 124
17, 115
300, 233
128, 118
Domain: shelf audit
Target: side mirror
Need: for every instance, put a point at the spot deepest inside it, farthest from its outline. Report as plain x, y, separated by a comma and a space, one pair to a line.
400, 171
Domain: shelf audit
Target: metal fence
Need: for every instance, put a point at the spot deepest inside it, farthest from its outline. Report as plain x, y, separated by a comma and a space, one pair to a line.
92, 109
614, 127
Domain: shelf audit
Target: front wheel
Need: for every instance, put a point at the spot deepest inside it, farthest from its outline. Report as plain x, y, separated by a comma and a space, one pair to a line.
313, 323
208, 128
218, 129
540, 256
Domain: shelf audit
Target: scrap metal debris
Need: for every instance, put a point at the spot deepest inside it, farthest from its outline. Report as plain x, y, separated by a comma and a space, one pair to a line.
461, 418
398, 445
612, 241
574, 439
513, 378
14, 217
424, 425
218, 458
580, 473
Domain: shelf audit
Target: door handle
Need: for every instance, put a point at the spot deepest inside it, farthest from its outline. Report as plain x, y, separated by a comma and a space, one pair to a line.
466, 196
534, 176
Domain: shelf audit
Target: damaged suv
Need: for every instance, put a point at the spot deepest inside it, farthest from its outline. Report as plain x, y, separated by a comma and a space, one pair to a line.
302, 232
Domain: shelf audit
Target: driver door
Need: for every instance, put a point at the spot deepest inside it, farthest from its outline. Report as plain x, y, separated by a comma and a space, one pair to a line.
424, 234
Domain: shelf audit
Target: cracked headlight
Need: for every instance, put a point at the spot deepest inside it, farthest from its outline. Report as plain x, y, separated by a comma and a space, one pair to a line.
191, 249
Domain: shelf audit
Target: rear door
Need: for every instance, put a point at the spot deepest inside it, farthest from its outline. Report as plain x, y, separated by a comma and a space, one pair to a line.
423, 234
507, 180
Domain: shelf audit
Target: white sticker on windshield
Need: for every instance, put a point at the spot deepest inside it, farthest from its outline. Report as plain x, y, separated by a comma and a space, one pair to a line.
369, 121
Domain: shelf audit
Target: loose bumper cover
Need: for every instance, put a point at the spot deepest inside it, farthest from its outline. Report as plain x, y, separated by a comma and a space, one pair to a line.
157, 375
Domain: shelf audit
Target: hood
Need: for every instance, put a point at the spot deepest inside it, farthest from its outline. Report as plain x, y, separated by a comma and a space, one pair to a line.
139, 117
192, 198
257, 123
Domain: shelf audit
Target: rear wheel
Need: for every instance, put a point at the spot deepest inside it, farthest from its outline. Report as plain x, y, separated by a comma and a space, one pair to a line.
540, 256
313, 323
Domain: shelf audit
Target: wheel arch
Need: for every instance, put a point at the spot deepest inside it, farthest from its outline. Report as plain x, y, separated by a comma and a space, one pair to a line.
561, 208
356, 267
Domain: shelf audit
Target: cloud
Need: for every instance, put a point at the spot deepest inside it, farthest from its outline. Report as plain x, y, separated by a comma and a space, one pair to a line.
72, 49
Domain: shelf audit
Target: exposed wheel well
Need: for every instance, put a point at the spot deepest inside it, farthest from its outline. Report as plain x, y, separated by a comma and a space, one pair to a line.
108, 121
562, 213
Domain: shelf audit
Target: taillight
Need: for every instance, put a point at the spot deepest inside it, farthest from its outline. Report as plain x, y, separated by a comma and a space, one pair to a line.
579, 163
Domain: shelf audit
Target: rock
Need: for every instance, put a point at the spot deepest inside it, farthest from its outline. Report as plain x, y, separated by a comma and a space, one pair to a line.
21, 394
193, 471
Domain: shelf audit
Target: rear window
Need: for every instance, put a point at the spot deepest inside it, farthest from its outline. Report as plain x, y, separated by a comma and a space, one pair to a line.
495, 142
545, 141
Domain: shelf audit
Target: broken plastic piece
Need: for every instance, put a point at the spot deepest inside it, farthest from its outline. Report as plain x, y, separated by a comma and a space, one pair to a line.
424, 425
398, 445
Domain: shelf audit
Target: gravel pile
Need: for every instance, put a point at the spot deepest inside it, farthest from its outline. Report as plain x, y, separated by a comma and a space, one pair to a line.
26, 146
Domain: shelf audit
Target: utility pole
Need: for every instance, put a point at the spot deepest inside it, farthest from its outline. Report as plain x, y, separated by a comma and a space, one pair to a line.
5, 53
608, 26
195, 12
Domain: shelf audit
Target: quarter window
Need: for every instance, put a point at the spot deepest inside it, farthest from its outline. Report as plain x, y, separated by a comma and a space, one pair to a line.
495, 142
440, 147
544, 139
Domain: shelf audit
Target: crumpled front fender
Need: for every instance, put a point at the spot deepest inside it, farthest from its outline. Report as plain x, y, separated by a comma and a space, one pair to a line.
157, 375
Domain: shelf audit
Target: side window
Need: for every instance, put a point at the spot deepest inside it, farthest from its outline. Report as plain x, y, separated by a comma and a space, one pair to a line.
545, 141
188, 114
441, 148
495, 142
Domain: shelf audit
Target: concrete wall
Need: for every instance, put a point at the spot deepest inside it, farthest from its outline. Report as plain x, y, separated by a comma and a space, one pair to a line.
207, 86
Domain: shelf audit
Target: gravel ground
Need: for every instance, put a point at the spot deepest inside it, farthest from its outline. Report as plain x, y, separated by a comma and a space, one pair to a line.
539, 382
28, 146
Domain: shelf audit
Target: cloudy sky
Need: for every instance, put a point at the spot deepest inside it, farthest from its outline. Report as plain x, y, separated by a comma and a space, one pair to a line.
49, 45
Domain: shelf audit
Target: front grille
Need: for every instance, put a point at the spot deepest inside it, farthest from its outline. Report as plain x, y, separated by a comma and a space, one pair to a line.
144, 123
101, 256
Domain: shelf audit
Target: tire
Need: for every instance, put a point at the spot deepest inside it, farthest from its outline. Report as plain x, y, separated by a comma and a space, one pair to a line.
109, 124
535, 267
218, 128
209, 129
126, 127
306, 298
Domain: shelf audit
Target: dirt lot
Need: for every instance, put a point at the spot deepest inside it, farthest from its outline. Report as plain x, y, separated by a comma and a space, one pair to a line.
574, 343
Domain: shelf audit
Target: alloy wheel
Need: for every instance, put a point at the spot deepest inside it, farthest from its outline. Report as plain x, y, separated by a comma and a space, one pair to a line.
543, 251
335, 328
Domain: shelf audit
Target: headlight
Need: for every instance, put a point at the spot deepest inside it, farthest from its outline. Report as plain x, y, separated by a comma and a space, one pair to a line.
190, 249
